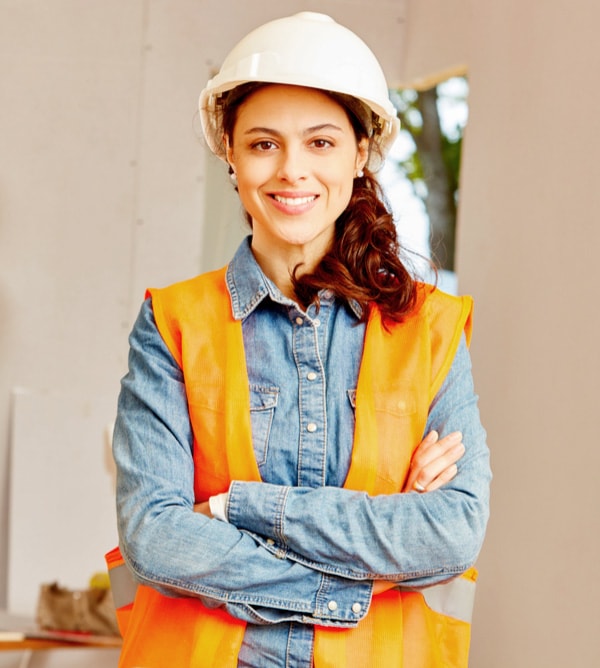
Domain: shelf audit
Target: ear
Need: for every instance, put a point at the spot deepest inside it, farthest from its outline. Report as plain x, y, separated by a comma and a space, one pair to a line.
229, 152
362, 155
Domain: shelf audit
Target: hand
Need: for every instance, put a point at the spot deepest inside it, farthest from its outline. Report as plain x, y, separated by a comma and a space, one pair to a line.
203, 508
433, 463
380, 586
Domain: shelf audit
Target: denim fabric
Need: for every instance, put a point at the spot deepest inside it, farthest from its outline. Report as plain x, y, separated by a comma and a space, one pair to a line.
298, 550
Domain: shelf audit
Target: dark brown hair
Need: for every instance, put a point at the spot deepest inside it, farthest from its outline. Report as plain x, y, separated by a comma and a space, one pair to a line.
364, 264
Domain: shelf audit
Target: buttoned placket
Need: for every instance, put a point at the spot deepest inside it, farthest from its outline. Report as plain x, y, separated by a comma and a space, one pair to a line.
308, 339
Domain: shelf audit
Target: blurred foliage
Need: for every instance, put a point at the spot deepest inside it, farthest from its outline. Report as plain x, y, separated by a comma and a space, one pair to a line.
434, 121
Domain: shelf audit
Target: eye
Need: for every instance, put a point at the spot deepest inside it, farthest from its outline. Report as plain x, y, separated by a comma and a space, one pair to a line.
321, 143
264, 145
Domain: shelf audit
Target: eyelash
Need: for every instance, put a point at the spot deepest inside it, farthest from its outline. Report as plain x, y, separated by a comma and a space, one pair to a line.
265, 145
262, 145
325, 143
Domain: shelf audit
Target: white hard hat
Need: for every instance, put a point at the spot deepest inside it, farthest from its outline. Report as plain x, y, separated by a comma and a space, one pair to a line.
306, 49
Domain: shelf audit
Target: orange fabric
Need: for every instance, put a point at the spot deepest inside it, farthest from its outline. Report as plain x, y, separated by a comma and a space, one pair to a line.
199, 311
179, 632
401, 370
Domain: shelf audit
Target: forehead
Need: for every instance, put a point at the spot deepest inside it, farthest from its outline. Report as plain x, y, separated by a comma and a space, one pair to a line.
282, 105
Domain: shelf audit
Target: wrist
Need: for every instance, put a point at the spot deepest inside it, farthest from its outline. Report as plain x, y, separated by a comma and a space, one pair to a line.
218, 506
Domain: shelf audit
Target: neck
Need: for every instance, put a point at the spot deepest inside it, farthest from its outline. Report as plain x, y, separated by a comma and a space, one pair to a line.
279, 267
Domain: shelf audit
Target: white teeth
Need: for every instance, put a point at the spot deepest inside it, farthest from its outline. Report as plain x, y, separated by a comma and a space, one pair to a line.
294, 201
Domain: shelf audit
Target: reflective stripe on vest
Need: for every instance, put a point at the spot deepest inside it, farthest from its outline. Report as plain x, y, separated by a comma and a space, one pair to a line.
401, 370
454, 598
122, 585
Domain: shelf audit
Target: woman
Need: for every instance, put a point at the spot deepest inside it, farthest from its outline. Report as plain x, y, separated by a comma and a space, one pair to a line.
302, 474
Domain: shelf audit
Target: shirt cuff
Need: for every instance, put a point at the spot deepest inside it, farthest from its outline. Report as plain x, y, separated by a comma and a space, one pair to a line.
218, 506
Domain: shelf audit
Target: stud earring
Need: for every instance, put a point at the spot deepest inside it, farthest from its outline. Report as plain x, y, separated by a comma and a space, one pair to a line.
233, 178
360, 174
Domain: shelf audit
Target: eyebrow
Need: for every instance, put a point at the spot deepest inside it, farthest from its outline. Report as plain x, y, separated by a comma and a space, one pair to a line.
313, 128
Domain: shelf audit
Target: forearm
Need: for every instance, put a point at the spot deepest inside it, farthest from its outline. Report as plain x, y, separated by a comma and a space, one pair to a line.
223, 566
398, 537
408, 537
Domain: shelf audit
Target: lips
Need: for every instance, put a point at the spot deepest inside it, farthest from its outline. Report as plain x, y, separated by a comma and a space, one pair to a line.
293, 203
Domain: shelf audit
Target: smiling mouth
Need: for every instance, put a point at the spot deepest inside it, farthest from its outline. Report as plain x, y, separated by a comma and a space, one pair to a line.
294, 201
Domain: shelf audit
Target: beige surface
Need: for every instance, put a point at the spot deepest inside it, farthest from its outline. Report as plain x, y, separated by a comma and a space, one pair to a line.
528, 252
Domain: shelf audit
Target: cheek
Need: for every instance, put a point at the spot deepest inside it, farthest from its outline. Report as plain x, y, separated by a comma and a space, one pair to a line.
245, 193
252, 173
247, 189
246, 176
345, 185
346, 169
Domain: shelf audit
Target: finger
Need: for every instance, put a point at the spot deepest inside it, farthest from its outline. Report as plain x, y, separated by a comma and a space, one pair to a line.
436, 466
429, 440
422, 468
422, 476
445, 477
426, 453
435, 482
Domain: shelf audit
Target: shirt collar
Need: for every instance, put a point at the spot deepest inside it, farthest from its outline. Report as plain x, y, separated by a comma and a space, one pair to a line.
248, 286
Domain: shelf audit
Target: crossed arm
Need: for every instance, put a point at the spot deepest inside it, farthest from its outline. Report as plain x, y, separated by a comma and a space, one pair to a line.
260, 574
434, 464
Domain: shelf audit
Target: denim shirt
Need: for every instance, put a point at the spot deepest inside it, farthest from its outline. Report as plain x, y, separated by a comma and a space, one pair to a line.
298, 550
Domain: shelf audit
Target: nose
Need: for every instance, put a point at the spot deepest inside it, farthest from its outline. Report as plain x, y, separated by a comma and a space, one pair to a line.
292, 166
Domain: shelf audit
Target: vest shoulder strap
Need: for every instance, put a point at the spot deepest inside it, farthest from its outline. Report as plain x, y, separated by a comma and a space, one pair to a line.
178, 305
448, 318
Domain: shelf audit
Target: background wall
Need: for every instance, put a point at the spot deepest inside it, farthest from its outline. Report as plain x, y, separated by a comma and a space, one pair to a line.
105, 188
528, 251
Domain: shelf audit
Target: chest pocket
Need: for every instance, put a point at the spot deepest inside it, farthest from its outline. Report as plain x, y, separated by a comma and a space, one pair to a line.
400, 426
263, 401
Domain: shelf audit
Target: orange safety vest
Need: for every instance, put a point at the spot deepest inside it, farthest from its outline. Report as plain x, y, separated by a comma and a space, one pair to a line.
401, 371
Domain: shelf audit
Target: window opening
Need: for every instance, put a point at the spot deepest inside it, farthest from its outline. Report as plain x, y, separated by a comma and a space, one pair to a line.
421, 174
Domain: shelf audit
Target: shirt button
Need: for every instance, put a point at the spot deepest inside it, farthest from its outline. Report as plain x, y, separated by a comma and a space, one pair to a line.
316, 322
311, 426
299, 321
356, 608
332, 605
311, 375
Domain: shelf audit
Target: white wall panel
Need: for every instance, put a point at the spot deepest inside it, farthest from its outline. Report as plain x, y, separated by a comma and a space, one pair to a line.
62, 483
69, 91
